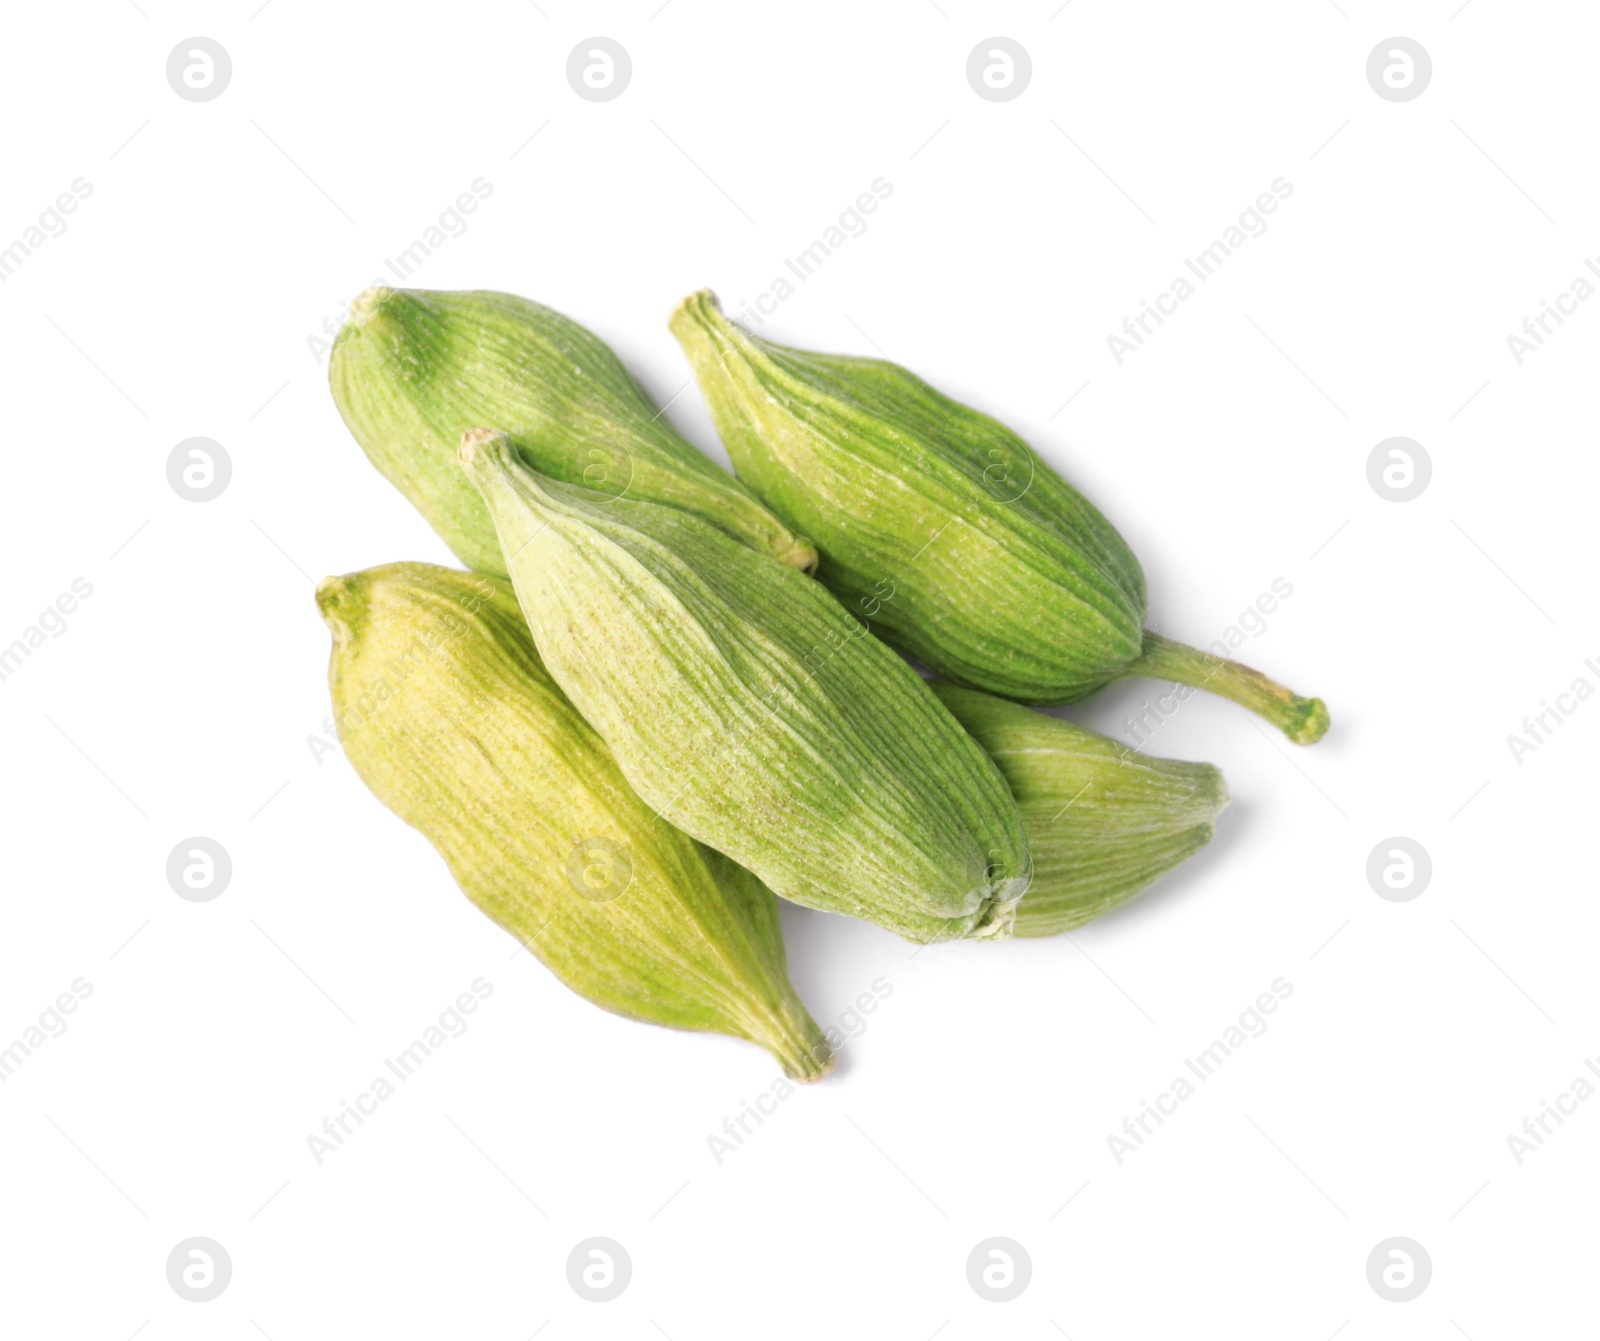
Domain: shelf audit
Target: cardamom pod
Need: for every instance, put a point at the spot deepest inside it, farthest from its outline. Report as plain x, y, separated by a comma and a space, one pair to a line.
412, 370
749, 708
1005, 577
1102, 820
447, 714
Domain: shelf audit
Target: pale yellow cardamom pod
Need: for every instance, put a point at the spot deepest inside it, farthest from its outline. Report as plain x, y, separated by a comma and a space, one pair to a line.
447, 714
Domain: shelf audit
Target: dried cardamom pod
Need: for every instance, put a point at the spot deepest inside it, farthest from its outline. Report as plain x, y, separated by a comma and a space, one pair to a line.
1102, 820
753, 711
1005, 577
412, 370
446, 713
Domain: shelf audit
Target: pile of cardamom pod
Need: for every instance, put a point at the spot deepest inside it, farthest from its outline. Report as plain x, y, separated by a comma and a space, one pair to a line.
662, 694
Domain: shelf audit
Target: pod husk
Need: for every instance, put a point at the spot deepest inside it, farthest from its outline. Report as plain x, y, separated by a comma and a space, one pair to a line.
1005, 577
1103, 821
412, 370
753, 711
446, 712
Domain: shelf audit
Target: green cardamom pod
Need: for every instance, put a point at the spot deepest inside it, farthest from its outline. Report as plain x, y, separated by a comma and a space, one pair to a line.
446, 713
1005, 577
1102, 820
749, 708
411, 371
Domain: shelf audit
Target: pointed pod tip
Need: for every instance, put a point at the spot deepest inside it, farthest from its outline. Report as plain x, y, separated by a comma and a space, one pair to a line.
330, 592
823, 1070
701, 305
480, 445
801, 554
809, 1063
369, 302
795, 1040
699, 299
340, 601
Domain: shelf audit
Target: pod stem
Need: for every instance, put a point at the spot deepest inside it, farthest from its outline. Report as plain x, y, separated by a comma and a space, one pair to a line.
1303, 720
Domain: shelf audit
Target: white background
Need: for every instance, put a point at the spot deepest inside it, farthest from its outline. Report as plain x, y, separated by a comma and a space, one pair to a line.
1230, 450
